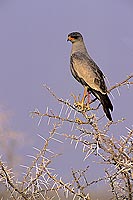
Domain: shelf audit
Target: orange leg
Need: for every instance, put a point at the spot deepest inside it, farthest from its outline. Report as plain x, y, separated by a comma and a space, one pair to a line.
89, 97
80, 104
84, 95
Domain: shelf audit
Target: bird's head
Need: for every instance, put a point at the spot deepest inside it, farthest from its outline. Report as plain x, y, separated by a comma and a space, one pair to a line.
74, 37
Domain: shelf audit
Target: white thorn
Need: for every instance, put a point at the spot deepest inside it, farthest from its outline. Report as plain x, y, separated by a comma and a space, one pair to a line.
61, 109
40, 121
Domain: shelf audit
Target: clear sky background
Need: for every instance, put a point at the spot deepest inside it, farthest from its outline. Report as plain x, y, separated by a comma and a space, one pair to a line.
33, 51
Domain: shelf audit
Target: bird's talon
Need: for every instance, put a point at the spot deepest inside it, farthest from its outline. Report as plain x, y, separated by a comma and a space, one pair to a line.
79, 105
87, 106
82, 107
77, 120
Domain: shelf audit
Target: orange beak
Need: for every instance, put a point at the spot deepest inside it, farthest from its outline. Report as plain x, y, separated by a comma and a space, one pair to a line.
70, 38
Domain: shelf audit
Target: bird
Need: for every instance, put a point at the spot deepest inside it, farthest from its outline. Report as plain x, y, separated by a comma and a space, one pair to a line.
87, 72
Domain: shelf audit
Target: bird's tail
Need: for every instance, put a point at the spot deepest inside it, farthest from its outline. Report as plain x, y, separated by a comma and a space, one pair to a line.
107, 105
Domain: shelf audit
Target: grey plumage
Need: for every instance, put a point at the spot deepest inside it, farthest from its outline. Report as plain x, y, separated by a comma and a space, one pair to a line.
86, 71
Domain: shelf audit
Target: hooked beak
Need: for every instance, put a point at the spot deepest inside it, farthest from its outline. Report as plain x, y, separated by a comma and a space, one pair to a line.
70, 39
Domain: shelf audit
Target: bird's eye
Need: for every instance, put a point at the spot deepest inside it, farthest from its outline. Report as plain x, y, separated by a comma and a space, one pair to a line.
76, 37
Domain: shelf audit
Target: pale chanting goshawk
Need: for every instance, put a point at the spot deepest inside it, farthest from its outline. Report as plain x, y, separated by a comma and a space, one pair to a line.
86, 71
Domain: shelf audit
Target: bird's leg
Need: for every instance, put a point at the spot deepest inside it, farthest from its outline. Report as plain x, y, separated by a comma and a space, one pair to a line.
87, 105
83, 98
89, 97
80, 104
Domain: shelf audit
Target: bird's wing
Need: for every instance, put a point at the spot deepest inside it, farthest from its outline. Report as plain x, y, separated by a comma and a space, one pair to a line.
85, 70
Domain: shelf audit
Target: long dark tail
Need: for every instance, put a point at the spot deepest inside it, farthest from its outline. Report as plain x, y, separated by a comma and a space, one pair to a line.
106, 103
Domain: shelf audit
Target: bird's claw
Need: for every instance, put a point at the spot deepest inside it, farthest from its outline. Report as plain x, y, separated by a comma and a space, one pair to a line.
87, 106
81, 106
77, 120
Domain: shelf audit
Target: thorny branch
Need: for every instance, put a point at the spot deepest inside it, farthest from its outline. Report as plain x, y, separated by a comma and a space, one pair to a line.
125, 82
116, 154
